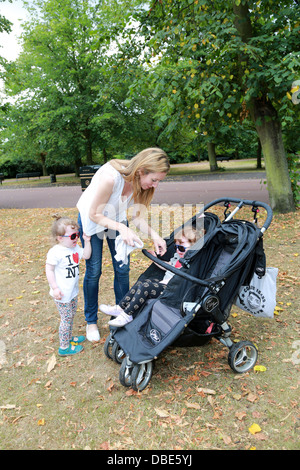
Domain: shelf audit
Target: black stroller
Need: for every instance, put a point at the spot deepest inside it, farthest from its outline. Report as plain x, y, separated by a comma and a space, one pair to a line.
196, 303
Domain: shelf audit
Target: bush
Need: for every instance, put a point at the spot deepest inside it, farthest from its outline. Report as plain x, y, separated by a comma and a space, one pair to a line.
11, 167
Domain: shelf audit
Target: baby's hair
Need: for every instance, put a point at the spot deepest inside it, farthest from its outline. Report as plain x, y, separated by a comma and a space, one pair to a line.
190, 233
59, 225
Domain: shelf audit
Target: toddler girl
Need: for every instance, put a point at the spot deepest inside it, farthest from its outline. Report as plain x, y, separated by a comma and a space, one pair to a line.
62, 271
150, 288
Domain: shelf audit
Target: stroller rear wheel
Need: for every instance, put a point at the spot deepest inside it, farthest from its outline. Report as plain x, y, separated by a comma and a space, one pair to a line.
242, 356
117, 353
141, 376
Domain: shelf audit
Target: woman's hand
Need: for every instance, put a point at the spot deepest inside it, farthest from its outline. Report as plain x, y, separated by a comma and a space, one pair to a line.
128, 235
160, 245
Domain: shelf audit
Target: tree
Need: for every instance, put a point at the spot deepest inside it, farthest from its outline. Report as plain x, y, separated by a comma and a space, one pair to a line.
63, 81
225, 57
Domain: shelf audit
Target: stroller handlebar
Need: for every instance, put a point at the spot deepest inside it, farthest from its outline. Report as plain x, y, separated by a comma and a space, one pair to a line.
174, 270
245, 202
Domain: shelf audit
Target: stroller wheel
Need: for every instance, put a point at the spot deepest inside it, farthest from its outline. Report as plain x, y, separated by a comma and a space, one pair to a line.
108, 345
242, 356
117, 353
125, 373
141, 376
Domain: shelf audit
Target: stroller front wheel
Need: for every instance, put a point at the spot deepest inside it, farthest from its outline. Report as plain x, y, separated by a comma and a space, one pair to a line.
108, 346
117, 353
141, 376
125, 373
242, 356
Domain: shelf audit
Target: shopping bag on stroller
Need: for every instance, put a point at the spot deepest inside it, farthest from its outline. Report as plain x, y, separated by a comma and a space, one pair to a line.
259, 297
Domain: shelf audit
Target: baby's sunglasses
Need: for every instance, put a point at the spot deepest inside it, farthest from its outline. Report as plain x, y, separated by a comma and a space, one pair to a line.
72, 236
180, 248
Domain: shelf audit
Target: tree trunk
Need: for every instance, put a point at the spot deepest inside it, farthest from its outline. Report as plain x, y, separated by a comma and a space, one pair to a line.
43, 161
258, 155
89, 151
212, 156
268, 128
78, 164
104, 154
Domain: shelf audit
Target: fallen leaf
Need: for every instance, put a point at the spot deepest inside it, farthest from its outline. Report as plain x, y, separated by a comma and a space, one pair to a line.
161, 413
208, 391
240, 415
41, 422
251, 397
7, 407
226, 439
51, 363
260, 368
195, 406
236, 396
255, 428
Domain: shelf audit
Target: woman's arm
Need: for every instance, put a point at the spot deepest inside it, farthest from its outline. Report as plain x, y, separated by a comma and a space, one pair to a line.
160, 245
101, 198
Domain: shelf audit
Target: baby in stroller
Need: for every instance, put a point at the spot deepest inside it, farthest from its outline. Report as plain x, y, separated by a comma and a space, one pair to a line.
150, 288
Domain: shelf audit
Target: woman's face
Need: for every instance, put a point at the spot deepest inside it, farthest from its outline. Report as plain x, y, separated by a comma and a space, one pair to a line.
150, 180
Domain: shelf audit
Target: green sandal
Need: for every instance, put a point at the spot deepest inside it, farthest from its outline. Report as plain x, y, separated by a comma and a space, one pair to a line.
72, 349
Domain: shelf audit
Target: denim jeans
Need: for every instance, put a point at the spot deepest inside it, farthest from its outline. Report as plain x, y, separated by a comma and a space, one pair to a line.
94, 270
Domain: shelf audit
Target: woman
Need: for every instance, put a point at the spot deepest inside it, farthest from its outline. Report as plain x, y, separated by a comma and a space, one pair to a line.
102, 209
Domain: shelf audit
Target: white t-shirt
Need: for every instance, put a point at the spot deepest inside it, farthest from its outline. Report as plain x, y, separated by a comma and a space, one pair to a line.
115, 208
66, 262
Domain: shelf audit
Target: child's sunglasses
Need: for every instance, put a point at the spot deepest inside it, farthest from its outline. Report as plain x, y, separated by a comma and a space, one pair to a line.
72, 236
180, 248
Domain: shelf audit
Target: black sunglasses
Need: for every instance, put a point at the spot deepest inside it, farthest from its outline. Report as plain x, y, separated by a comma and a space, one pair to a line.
180, 248
72, 236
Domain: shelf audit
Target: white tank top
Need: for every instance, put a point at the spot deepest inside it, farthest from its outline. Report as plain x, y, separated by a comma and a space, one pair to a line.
115, 208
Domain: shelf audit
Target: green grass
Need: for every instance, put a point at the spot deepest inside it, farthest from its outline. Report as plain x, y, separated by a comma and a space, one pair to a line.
201, 168
80, 403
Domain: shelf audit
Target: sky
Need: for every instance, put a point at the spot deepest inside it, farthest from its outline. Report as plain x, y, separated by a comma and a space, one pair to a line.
15, 13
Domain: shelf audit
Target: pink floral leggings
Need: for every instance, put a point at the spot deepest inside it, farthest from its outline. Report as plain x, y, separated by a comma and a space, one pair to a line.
67, 313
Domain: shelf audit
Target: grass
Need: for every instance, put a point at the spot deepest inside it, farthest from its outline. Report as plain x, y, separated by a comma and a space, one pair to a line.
200, 168
80, 403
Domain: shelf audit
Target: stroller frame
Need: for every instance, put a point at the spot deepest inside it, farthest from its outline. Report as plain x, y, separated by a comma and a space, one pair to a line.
136, 371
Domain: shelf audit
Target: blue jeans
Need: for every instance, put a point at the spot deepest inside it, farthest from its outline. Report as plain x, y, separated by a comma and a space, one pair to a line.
94, 270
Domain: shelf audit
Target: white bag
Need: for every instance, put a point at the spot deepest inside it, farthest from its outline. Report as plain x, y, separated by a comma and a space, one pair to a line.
259, 298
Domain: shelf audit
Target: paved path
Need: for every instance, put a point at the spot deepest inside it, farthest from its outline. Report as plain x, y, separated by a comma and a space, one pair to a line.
192, 190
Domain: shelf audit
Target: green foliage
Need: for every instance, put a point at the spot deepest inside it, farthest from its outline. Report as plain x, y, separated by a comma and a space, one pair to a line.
294, 167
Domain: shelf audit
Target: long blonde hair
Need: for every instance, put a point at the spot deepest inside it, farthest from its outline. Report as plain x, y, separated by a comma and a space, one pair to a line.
150, 160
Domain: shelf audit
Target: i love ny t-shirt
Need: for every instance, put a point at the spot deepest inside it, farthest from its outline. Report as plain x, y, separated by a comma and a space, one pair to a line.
66, 262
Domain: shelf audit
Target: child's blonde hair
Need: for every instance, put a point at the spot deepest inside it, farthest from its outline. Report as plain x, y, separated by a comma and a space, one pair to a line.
190, 233
60, 224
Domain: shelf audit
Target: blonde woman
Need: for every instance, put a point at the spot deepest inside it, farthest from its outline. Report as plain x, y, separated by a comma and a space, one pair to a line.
102, 210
